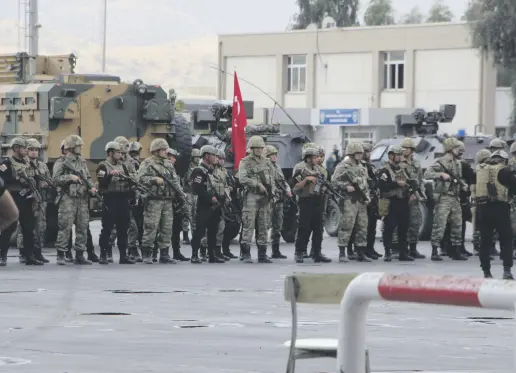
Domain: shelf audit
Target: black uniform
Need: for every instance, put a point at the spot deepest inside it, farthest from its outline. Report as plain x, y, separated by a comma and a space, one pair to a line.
11, 171
116, 210
207, 215
236, 200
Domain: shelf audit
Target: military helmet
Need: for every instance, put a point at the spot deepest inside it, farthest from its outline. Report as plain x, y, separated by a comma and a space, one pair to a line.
321, 150
158, 144
482, 155
450, 143
367, 146
500, 153
72, 141
513, 147
353, 148
407, 142
135, 146
124, 143
308, 152
19, 141
222, 154
256, 142
196, 153
112, 146
172, 152
395, 149
208, 149
33, 144
270, 150
497, 143
309, 145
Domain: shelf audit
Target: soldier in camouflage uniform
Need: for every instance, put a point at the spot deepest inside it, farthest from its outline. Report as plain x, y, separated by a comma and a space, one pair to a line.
187, 187
74, 200
413, 170
256, 175
446, 172
372, 206
158, 211
277, 208
350, 177
116, 210
512, 198
137, 208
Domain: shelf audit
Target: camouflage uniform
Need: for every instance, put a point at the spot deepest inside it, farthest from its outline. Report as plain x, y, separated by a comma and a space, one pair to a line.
256, 209
74, 202
353, 208
136, 229
446, 196
158, 212
414, 172
276, 222
187, 187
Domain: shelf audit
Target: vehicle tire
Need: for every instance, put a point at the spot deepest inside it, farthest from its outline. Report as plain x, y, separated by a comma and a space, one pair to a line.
232, 230
289, 228
332, 218
182, 142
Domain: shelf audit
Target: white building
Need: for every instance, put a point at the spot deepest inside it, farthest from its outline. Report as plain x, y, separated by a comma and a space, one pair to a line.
361, 71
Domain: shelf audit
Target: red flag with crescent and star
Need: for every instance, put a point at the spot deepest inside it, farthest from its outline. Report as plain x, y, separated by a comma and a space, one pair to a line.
238, 123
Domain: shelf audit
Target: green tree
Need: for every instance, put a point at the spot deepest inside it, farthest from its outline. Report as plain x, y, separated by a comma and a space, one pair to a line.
413, 17
440, 12
495, 34
313, 11
379, 12
472, 13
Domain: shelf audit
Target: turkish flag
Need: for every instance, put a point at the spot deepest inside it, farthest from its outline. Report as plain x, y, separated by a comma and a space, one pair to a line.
238, 123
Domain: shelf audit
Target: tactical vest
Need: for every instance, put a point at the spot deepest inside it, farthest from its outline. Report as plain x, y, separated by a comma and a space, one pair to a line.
116, 184
74, 189
445, 187
488, 188
163, 191
255, 168
218, 181
47, 194
17, 167
310, 189
395, 175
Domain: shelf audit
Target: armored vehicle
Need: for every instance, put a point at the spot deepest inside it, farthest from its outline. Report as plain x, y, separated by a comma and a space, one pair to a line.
422, 127
56, 102
212, 125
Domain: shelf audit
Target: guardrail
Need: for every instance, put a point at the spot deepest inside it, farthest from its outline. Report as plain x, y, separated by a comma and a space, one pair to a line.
442, 290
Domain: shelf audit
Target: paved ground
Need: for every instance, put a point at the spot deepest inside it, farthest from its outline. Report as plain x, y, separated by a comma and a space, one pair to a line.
224, 318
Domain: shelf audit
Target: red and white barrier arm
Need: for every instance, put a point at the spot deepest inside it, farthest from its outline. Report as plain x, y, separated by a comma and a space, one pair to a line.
443, 290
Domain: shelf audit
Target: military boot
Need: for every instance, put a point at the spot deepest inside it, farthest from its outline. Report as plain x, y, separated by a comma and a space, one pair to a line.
164, 257
61, 258
69, 256
177, 255
195, 257
376, 253
276, 253
212, 255
80, 259
388, 255
92, 256
204, 251
465, 252
262, 255
487, 273
147, 255
103, 256
110, 254
395, 250
136, 255
404, 256
319, 257
455, 254
124, 258
415, 253
22, 259
217, 251
39, 256
351, 254
361, 257
507, 275
435, 254
186, 239
3, 258
246, 253
370, 253
299, 256
305, 254
155, 254
227, 252
342, 255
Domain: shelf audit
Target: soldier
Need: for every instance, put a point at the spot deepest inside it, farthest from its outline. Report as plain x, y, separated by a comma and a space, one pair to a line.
19, 179
414, 172
447, 173
74, 201
116, 210
311, 206
208, 212
512, 198
493, 180
256, 175
372, 207
179, 212
497, 144
159, 176
350, 177
480, 158
236, 201
394, 202
277, 208
187, 187
137, 208
468, 176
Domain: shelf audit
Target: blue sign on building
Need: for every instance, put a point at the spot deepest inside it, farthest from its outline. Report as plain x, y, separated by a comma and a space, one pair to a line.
339, 117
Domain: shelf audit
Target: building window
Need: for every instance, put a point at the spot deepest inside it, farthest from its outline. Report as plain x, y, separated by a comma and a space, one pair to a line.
358, 137
296, 70
394, 70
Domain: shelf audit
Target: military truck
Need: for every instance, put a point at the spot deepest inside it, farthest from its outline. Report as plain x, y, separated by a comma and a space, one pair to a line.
56, 102
212, 125
422, 127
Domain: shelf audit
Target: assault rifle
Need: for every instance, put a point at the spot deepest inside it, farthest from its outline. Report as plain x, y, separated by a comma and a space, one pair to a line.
453, 178
358, 193
321, 182
225, 202
33, 189
172, 186
414, 188
139, 187
84, 180
43, 177
268, 187
283, 191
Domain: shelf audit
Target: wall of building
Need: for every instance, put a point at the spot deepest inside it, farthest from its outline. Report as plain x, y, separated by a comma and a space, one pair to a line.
504, 105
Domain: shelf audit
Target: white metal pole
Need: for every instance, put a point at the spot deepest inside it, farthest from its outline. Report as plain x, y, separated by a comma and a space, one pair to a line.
104, 36
33, 36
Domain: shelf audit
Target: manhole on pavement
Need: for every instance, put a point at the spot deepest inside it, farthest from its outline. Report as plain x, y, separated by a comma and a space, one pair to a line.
12, 361
105, 314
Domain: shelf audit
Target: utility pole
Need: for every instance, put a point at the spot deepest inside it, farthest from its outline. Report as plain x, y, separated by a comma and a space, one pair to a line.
33, 36
104, 39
